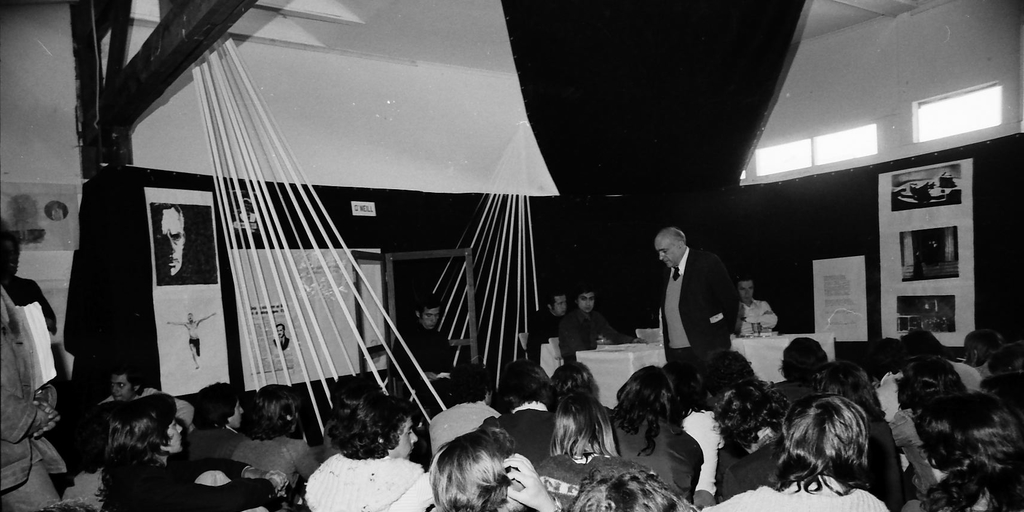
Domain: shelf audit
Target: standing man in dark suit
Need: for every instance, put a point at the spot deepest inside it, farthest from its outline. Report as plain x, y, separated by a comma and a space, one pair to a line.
699, 305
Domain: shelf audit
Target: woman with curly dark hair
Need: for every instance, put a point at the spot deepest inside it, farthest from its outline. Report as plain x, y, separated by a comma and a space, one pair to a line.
750, 416
822, 462
923, 379
373, 472
699, 422
725, 369
137, 477
848, 380
648, 428
630, 491
273, 423
976, 444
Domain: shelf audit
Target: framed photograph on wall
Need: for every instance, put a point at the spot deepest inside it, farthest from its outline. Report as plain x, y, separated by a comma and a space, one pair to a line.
926, 250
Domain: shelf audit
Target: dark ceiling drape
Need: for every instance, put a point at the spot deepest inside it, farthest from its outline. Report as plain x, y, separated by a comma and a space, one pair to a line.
635, 97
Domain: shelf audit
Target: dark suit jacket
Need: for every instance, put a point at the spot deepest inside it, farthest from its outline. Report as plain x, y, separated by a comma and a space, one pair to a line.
706, 291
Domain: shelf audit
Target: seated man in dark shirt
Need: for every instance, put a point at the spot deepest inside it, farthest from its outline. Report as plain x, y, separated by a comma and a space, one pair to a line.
585, 329
431, 349
544, 323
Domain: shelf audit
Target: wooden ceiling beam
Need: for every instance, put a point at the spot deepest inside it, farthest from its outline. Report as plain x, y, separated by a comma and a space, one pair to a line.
182, 36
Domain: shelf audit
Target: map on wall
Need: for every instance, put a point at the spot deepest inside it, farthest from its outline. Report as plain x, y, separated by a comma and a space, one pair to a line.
926, 246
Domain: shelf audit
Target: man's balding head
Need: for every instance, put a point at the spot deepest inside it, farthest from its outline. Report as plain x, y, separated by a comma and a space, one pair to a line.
671, 246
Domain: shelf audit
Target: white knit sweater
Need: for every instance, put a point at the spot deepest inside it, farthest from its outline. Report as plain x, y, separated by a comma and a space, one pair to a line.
373, 485
766, 499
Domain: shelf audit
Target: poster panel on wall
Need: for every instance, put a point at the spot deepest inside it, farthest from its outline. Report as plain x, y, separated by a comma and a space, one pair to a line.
926, 246
44, 216
294, 341
840, 298
186, 295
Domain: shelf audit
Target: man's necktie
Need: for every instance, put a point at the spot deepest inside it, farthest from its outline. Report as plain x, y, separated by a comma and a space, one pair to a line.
675, 273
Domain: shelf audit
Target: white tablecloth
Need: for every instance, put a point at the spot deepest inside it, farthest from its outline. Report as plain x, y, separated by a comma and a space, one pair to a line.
765, 354
613, 365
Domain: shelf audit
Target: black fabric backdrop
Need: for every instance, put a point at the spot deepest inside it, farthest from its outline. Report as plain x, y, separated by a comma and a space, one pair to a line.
773, 231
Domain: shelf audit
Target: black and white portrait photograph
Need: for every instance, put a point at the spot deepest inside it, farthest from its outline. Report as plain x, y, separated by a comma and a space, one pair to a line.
927, 188
183, 244
930, 254
933, 313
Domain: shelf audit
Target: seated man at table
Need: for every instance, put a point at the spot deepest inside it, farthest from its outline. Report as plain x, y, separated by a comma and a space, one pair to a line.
585, 329
754, 315
432, 350
544, 323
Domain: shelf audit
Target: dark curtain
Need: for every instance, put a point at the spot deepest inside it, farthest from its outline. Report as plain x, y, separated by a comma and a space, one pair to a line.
629, 97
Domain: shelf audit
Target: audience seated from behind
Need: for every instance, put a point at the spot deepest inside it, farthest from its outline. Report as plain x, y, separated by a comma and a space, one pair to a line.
585, 329
478, 472
126, 384
649, 433
372, 472
471, 393
346, 395
137, 475
632, 491
273, 424
1008, 359
71, 505
850, 381
885, 356
700, 423
924, 343
217, 421
750, 415
979, 346
976, 445
822, 462
525, 391
583, 443
1009, 387
800, 360
91, 443
725, 369
574, 377
923, 379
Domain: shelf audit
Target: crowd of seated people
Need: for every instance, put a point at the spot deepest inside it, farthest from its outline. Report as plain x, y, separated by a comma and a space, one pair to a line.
923, 435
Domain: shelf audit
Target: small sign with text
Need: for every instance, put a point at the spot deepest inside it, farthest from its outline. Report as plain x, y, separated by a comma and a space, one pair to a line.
364, 209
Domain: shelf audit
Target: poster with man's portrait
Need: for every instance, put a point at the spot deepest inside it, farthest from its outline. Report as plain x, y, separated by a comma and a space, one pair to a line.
184, 245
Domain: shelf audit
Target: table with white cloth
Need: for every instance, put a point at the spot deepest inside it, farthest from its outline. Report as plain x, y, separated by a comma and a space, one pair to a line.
613, 365
765, 353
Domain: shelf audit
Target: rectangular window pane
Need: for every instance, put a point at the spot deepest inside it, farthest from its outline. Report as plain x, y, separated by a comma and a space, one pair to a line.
784, 157
959, 114
845, 145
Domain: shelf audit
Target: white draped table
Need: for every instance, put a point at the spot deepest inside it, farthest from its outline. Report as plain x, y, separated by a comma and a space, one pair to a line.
765, 354
612, 365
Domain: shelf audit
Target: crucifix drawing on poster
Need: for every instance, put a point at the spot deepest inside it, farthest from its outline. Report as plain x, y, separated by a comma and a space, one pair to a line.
192, 326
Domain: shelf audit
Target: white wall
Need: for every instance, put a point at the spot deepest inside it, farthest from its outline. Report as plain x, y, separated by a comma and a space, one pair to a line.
873, 72
38, 133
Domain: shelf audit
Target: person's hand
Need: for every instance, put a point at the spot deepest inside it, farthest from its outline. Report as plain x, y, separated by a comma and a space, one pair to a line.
703, 499
533, 494
888, 395
430, 375
279, 480
46, 418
